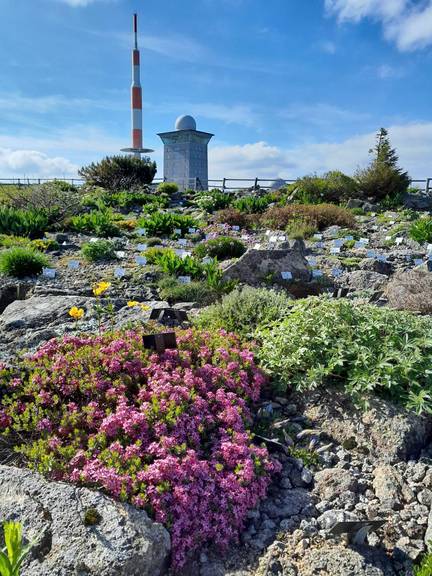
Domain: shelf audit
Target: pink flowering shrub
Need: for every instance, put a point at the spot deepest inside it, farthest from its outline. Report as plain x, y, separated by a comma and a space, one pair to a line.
167, 432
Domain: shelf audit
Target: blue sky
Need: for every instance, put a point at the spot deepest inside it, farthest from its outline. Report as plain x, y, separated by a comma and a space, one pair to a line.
288, 87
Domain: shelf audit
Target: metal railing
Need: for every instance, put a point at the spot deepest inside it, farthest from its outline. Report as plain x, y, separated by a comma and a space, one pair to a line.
225, 184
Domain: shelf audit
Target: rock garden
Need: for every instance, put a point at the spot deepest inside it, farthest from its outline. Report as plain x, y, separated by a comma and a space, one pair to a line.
206, 383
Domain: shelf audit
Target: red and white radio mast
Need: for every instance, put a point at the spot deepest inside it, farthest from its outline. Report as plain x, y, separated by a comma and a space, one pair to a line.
136, 100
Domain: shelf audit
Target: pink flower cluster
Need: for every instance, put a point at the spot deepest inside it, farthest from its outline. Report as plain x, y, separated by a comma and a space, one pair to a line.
168, 432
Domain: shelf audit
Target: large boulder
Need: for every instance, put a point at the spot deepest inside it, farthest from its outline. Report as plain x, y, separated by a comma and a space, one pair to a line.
411, 290
419, 201
255, 265
39, 311
390, 488
364, 280
79, 532
331, 483
339, 561
321, 558
384, 431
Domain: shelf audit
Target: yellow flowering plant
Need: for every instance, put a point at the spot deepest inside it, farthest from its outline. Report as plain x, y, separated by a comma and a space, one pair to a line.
134, 304
98, 290
76, 313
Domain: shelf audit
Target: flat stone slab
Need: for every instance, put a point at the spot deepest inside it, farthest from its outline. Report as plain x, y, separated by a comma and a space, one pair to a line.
124, 542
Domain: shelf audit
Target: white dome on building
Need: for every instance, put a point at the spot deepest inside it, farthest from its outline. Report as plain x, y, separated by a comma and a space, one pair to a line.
185, 123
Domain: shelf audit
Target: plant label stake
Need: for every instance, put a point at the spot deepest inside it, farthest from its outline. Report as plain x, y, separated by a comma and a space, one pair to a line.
160, 342
163, 315
357, 531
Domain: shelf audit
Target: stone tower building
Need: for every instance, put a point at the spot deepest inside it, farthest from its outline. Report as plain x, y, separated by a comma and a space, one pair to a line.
186, 155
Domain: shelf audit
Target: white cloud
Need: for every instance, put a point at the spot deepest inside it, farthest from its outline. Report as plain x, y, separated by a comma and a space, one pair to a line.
357, 9
412, 141
78, 3
328, 47
386, 72
34, 164
407, 24
322, 114
46, 104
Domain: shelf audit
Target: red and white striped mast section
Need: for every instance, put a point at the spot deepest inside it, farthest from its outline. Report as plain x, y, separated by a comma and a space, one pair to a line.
136, 100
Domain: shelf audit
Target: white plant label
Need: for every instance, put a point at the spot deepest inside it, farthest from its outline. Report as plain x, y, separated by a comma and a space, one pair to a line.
286, 275
184, 279
141, 260
141, 247
73, 264
49, 272
119, 272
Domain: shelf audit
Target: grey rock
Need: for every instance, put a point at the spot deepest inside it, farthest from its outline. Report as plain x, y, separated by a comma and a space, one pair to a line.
417, 201
255, 265
390, 487
373, 265
364, 280
411, 290
39, 311
331, 517
340, 561
124, 543
370, 207
330, 483
354, 203
385, 431
425, 497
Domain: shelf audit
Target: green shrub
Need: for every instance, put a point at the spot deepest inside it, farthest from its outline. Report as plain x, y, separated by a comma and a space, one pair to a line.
244, 310
99, 250
232, 217
57, 200
332, 187
175, 265
12, 556
154, 253
171, 290
221, 248
253, 204
18, 222
168, 188
213, 200
361, 347
129, 199
21, 261
164, 223
41, 244
425, 566
383, 180
98, 222
421, 230
320, 216
119, 173
300, 229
